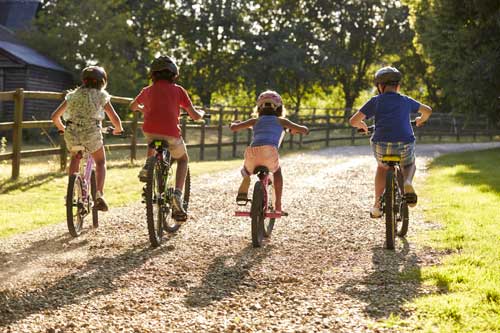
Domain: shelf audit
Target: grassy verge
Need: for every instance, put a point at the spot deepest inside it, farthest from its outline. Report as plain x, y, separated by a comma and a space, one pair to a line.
37, 199
464, 197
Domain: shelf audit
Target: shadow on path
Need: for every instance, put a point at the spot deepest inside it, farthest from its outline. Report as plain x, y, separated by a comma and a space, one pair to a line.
226, 275
394, 280
96, 278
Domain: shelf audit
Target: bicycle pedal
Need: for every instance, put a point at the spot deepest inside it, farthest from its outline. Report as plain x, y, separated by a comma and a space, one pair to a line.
243, 202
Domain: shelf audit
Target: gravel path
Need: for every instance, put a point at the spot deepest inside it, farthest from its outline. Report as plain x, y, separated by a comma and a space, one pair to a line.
324, 270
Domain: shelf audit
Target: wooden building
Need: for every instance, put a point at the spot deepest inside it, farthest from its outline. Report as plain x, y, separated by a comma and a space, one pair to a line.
23, 67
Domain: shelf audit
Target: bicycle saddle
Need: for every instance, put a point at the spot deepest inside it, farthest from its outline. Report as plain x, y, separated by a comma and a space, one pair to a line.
260, 169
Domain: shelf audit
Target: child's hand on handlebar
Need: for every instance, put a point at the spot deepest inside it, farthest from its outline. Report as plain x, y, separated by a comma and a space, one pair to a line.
117, 131
363, 127
419, 122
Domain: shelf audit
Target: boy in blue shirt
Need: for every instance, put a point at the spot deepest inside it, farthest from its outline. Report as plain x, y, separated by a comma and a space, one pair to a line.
393, 132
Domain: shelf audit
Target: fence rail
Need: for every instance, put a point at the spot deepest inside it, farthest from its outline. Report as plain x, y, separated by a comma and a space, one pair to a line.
326, 125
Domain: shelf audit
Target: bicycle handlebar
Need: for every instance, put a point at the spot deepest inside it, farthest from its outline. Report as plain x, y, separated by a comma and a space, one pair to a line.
371, 128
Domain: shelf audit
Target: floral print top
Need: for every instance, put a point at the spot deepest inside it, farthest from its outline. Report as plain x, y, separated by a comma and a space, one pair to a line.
86, 105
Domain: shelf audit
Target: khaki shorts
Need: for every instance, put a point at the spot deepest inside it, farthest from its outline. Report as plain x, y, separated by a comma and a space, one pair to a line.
176, 146
260, 156
89, 136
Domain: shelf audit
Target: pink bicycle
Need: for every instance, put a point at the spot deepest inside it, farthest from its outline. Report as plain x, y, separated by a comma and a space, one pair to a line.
262, 210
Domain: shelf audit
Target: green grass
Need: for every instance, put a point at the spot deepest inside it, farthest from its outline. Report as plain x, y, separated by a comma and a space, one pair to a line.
463, 195
37, 198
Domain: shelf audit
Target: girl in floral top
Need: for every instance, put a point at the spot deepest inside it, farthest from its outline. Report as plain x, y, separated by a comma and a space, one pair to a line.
83, 110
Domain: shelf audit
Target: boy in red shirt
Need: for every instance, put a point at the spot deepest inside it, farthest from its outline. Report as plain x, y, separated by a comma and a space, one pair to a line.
160, 104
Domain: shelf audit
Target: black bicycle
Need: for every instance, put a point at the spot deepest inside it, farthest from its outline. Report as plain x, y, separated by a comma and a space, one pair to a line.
158, 193
394, 203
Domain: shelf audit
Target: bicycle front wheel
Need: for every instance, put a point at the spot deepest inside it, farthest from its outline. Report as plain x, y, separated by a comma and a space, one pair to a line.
75, 205
257, 213
154, 195
390, 218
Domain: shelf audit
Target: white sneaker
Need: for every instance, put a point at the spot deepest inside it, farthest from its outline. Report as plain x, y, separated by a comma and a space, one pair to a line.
375, 212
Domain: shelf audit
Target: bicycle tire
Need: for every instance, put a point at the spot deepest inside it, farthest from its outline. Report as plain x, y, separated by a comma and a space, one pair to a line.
74, 205
257, 213
404, 214
153, 200
390, 218
268, 223
93, 191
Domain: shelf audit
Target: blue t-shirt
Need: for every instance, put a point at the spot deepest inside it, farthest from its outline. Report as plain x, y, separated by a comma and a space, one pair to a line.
392, 117
267, 131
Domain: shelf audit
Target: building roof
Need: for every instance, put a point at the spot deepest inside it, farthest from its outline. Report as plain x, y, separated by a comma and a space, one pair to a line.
29, 56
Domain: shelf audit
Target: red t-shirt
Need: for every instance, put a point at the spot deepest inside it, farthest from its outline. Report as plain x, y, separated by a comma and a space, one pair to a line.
161, 102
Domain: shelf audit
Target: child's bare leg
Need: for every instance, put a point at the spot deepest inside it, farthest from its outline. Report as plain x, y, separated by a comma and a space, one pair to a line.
380, 183
74, 164
100, 168
278, 187
180, 174
409, 172
245, 185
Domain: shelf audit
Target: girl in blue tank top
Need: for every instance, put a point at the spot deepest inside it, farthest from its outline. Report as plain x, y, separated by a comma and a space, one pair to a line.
268, 132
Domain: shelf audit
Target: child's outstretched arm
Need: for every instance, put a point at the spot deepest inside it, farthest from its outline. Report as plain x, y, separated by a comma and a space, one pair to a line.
57, 114
293, 127
238, 125
425, 112
195, 114
358, 120
115, 119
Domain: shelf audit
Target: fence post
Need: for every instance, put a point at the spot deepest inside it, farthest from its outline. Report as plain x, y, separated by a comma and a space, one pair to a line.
202, 142
219, 135
133, 139
17, 132
235, 135
64, 153
183, 128
300, 140
328, 129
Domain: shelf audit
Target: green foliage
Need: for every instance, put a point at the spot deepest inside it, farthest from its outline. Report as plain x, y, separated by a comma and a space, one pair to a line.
460, 41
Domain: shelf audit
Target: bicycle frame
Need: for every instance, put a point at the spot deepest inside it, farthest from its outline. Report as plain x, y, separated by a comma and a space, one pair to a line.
87, 170
264, 178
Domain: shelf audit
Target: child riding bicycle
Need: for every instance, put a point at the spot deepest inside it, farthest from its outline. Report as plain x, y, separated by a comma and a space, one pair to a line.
159, 103
393, 133
268, 131
83, 110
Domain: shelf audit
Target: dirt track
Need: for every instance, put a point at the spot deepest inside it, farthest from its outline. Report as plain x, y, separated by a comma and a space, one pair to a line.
325, 268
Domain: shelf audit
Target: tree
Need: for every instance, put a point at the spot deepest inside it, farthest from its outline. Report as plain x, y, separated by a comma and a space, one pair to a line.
460, 39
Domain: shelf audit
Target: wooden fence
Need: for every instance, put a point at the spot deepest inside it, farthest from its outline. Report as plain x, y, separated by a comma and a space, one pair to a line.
327, 126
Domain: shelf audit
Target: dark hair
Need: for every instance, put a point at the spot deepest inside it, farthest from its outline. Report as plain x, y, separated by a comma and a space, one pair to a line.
270, 111
163, 75
93, 84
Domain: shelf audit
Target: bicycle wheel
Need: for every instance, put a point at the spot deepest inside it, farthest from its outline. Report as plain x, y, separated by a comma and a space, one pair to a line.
257, 213
93, 191
75, 206
154, 193
403, 213
390, 218
271, 205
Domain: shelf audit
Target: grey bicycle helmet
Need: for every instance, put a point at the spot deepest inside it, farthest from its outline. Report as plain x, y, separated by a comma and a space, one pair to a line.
388, 75
164, 63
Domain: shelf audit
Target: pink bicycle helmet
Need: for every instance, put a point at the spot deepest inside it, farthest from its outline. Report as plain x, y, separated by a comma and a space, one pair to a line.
269, 98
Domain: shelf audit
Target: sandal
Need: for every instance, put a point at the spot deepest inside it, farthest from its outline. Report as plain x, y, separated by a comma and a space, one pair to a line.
410, 195
242, 199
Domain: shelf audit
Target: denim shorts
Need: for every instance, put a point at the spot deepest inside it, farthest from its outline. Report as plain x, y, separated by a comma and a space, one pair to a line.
404, 149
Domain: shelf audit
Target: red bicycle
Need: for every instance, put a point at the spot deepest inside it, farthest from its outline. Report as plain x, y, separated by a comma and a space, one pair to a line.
262, 210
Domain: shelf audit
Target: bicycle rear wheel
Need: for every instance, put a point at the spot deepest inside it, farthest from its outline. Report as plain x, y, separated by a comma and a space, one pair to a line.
390, 218
154, 195
271, 205
403, 212
75, 206
257, 213
93, 191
